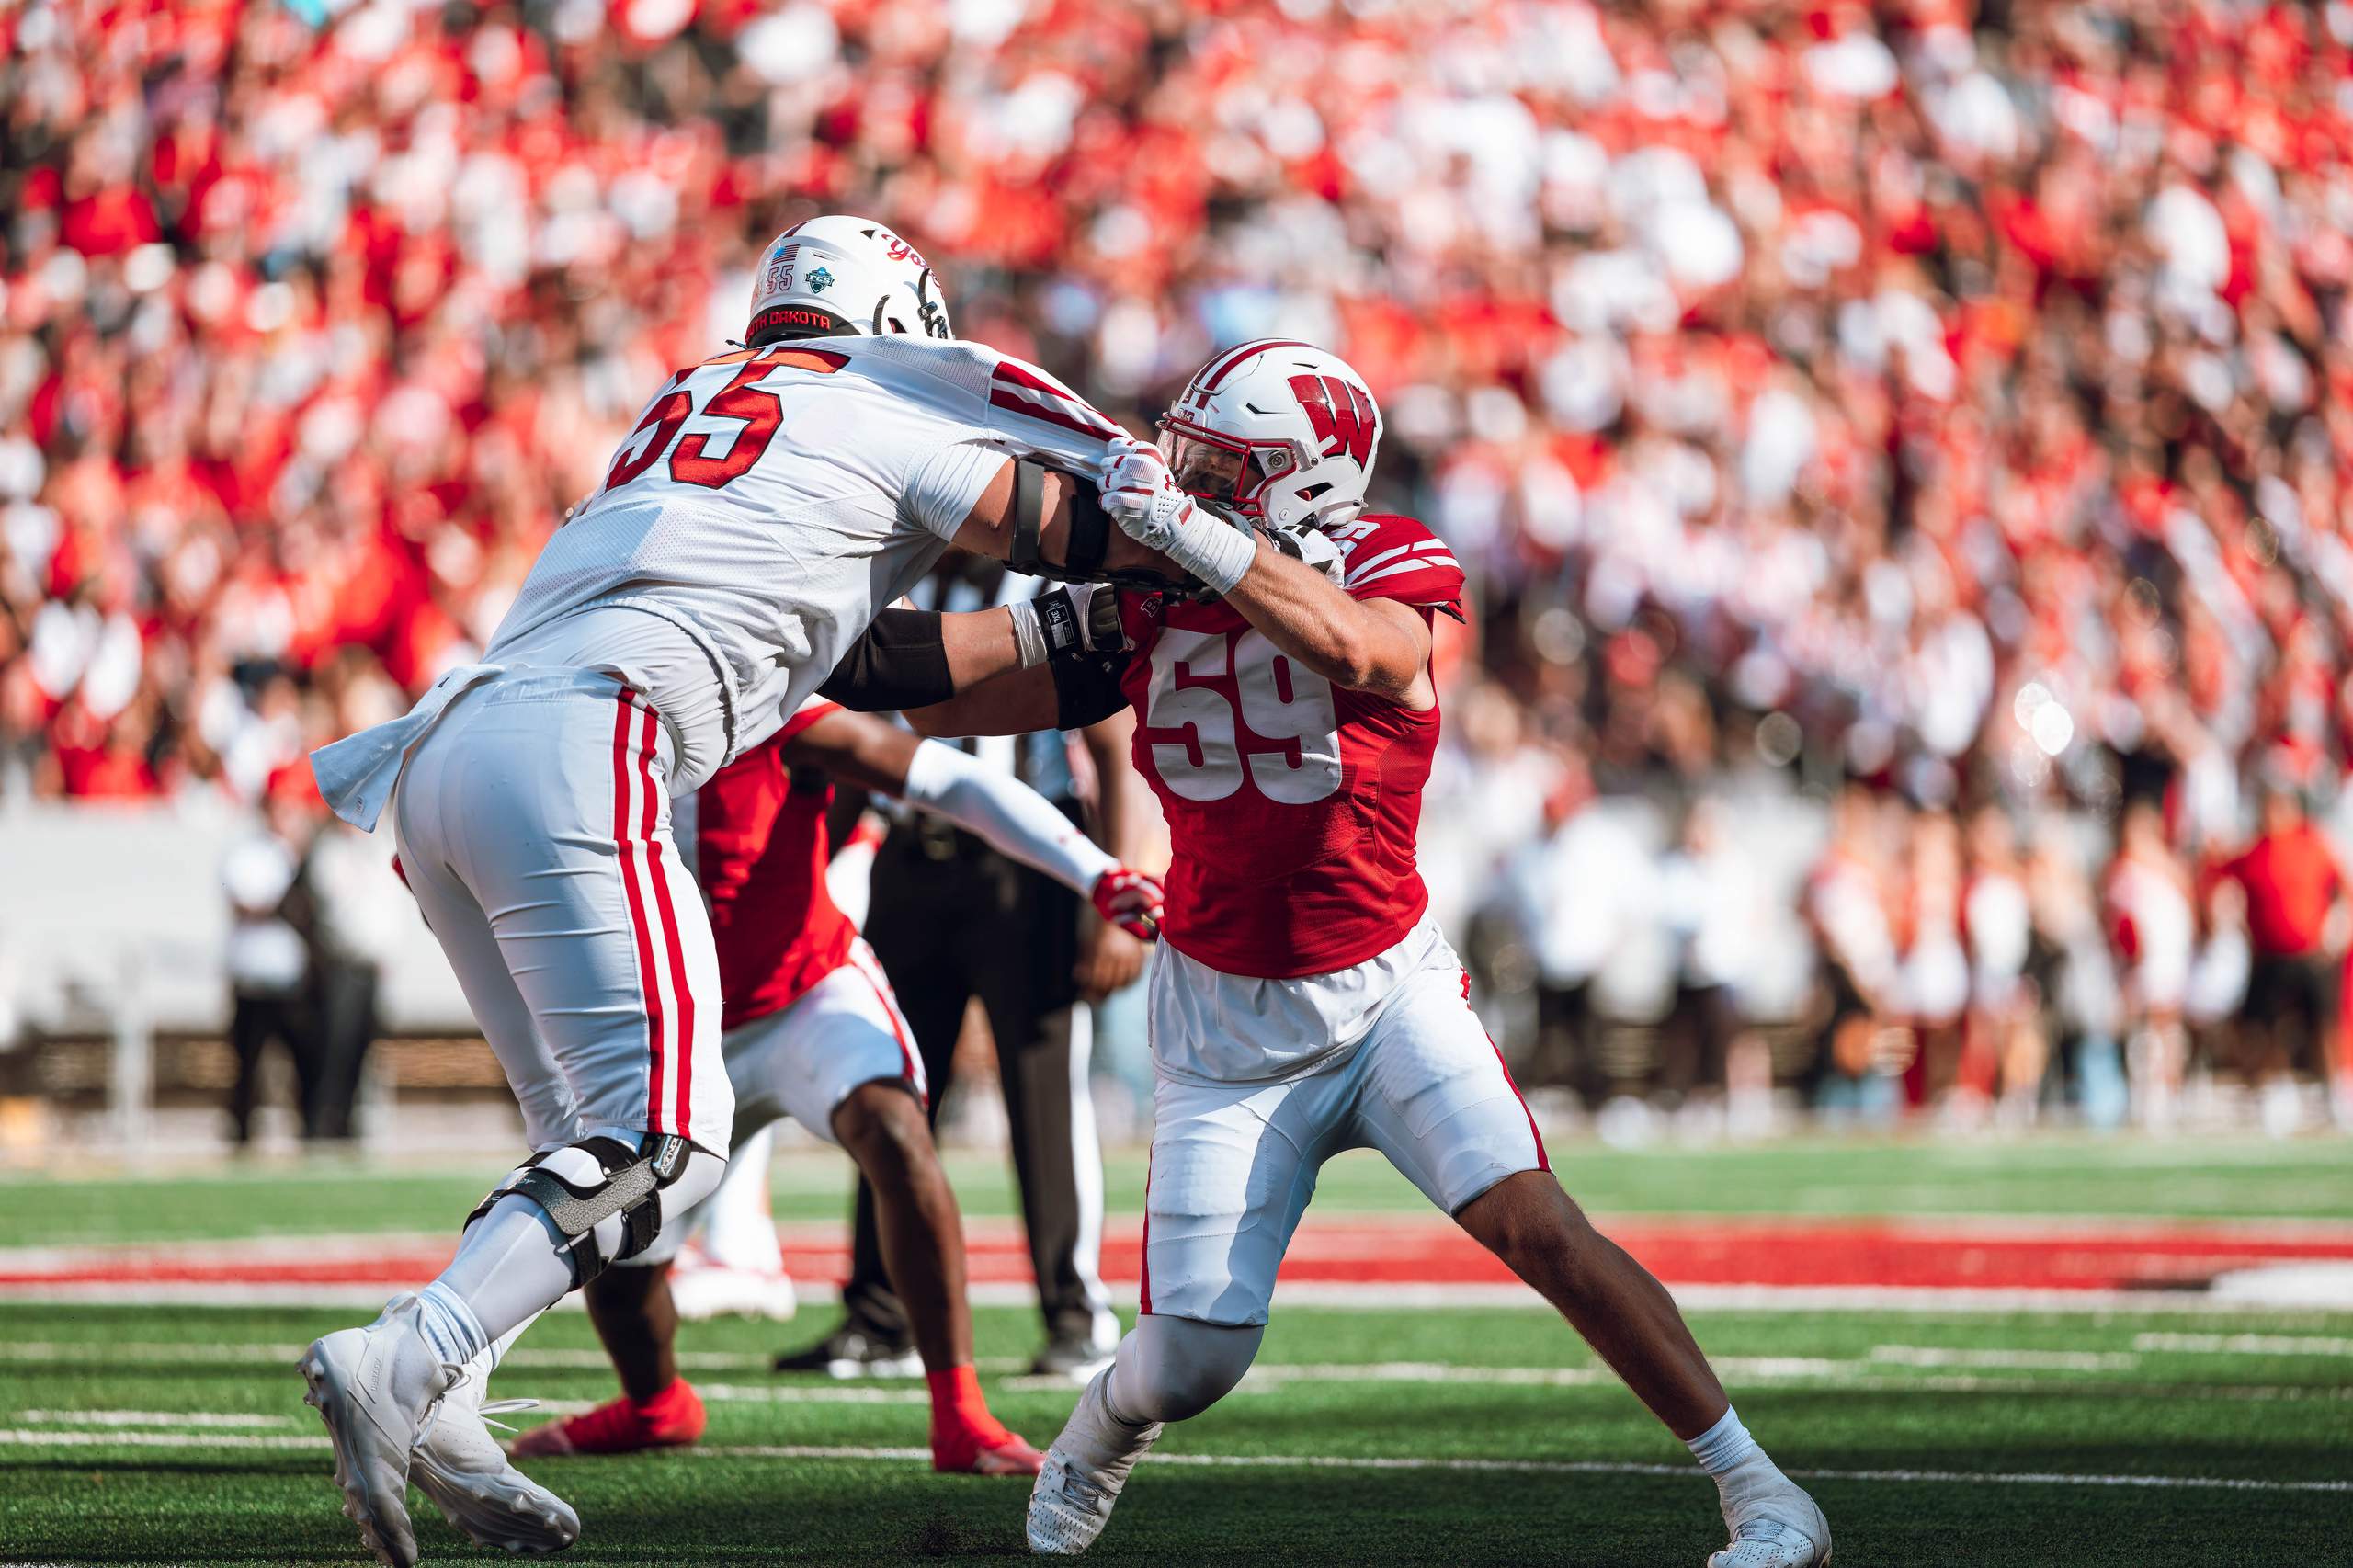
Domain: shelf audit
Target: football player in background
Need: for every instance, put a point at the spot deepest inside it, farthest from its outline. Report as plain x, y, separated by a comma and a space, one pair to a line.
952, 922
769, 503
813, 1033
1302, 1001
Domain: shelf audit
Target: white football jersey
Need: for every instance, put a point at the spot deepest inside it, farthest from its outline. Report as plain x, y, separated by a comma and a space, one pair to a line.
772, 499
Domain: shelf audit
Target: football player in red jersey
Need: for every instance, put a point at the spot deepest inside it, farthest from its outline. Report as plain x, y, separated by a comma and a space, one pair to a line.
1302, 1001
813, 1032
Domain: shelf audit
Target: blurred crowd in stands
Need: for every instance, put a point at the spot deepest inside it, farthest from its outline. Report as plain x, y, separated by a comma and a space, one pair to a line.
1941, 412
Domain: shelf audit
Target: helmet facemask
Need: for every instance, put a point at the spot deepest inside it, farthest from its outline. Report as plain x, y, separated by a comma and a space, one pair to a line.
1221, 472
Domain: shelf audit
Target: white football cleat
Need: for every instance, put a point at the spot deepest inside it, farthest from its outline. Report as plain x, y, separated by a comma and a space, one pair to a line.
705, 1289
375, 1388
460, 1466
1782, 1528
1084, 1474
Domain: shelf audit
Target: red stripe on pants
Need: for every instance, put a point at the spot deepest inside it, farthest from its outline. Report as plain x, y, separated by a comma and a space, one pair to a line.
1143, 1279
680, 1119
1543, 1160
647, 982
907, 1069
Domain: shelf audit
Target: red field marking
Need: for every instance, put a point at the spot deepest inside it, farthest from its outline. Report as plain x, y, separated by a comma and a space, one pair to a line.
1985, 1255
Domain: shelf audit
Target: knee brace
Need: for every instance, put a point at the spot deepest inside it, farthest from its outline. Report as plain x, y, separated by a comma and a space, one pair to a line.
608, 1199
1169, 1368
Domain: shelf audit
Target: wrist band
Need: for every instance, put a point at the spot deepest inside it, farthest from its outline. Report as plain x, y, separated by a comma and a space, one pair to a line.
1058, 619
1217, 555
1029, 636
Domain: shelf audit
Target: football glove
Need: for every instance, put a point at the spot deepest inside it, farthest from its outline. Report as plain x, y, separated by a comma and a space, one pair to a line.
1067, 623
1129, 899
1143, 496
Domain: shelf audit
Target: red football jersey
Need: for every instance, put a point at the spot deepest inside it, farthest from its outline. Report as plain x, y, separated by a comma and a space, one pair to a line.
1292, 805
760, 853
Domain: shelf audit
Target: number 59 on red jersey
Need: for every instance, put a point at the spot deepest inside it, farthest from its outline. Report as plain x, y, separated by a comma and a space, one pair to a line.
1292, 805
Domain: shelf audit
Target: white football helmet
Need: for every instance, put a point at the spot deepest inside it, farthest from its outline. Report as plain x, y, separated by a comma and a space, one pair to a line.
839, 276
1276, 430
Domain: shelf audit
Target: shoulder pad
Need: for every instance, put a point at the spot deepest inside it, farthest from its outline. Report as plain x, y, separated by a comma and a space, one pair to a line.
1397, 558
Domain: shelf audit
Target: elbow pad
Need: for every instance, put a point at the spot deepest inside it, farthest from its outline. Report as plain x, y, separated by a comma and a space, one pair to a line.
901, 661
1087, 541
1090, 529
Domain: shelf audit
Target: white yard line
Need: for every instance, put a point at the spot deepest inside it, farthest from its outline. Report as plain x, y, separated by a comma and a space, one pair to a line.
2244, 1344
21, 1438
28, 1438
818, 1393
2085, 1388
1585, 1467
165, 1352
207, 1418
1956, 1371
2018, 1360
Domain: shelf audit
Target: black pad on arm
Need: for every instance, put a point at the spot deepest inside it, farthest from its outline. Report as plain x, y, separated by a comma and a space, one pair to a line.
901, 661
1089, 534
1087, 688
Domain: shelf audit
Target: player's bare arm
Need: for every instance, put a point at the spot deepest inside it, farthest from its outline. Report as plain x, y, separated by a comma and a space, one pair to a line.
1374, 646
999, 810
1110, 956
1378, 646
1009, 705
915, 659
1066, 533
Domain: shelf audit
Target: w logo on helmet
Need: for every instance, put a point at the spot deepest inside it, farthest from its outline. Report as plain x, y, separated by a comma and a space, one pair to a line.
1340, 414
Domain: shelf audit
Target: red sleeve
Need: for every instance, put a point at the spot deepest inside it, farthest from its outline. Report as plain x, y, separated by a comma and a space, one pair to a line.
808, 714
1397, 558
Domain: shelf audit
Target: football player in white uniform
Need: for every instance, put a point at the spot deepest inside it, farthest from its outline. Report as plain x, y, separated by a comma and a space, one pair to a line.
1302, 1001
768, 504
813, 1031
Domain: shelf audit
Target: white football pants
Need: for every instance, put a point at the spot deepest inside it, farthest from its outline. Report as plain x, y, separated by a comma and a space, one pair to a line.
533, 825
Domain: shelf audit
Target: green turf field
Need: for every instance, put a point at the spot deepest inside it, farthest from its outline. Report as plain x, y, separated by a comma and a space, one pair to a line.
2067, 1439
1480, 1469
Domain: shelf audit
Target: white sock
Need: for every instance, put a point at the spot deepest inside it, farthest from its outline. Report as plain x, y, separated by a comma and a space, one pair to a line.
508, 1269
1725, 1447
486, 1361
449, 1325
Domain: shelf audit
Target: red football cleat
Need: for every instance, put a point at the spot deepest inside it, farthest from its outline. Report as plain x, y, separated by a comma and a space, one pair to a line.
671, 1419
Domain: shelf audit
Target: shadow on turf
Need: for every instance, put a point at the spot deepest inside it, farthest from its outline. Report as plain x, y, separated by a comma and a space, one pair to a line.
677, 1511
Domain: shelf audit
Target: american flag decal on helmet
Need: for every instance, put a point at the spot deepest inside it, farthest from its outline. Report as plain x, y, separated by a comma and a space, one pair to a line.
1340, 415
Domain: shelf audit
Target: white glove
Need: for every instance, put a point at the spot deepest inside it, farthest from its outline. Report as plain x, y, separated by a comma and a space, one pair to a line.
1144, 498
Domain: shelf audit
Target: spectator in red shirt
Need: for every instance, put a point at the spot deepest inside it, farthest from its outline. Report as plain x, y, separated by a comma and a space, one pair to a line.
2295, 894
